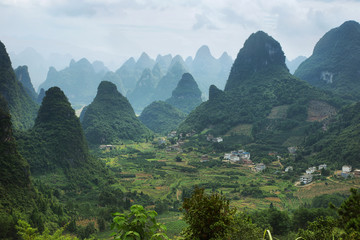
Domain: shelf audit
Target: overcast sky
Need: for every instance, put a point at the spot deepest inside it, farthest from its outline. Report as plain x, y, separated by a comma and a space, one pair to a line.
114, 30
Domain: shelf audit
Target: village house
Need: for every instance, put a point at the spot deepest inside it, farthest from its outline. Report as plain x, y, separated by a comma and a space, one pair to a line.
260, 167
245, 155
356, 173
292, 150
289, 168
227, 156
161, 141
172, 134
310, 170
234, 158
346, 169
272, 153
238, 156
209, 137
190, 134
175, 147
107, 147
306, 178
345, 174
204, 158
247, 162
322, 166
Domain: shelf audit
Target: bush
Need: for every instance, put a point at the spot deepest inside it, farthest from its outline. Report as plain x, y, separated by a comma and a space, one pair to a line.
138, 224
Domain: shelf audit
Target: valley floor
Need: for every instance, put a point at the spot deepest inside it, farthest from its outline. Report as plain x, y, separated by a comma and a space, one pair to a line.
168, 176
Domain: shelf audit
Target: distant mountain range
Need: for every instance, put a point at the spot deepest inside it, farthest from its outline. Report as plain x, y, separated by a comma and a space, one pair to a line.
142, 81
39, 65
295, 63
79, 81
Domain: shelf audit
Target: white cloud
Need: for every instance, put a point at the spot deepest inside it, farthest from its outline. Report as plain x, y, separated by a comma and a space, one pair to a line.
113, 30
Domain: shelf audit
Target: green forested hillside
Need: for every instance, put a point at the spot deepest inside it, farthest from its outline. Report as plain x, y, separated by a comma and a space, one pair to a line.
187, 95
110, 118
21, 106
259, 81
161, 117
334, 64
339, 145
14, 169
57, 144
19, 198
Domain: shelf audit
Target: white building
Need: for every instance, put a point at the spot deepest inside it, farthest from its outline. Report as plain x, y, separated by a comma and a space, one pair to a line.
218, 139
260, 167
227, 156
307, 178
322, 166
234, 158
310, 170
289, 168
245, 155
346, 168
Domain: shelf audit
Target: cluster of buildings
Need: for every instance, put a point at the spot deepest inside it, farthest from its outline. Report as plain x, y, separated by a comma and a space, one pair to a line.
239, 156
242, 157
211, 138
346, 171
308, 176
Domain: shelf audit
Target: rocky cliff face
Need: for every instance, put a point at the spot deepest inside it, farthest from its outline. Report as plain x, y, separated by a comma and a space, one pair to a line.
22, 75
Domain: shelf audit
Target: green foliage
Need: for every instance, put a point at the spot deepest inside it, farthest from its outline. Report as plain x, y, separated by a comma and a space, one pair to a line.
243, 228
139, 224
87, 231
349, 213
322, 228
57, 144
22, 108
186, 96
14, 169
324, 201
302, 216
110, 118
26, 232
208, 216
274, 219
161, 117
